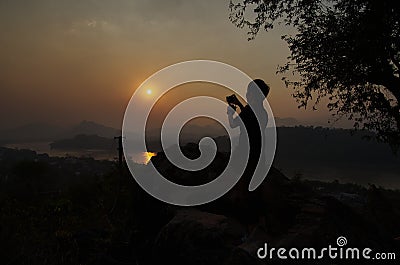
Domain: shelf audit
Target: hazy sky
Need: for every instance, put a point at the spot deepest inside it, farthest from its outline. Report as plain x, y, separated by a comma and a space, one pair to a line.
63, 61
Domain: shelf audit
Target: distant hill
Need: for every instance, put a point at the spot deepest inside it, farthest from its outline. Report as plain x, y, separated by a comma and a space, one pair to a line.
342, 154
83, 142
311, 152
41, 132
92, 128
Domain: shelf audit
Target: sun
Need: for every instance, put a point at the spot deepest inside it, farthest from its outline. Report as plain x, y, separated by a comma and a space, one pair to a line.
149, 92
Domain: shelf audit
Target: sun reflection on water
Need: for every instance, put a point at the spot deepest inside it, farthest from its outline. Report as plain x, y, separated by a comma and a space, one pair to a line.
147, 156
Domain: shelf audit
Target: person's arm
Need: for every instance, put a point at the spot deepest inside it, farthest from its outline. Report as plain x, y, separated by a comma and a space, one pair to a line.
233, 122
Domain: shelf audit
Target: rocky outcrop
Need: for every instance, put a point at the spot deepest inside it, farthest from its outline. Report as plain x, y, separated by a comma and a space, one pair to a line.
281, 212
196, 237
293, 216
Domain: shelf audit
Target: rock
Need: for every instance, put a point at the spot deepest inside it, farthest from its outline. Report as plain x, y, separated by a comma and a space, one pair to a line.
246, 253
195, 237
306, 219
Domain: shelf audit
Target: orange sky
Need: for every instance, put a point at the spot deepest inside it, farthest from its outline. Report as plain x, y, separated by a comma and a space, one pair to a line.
66, 61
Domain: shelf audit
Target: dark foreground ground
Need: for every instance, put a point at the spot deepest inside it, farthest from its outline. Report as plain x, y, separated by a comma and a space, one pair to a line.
81, 211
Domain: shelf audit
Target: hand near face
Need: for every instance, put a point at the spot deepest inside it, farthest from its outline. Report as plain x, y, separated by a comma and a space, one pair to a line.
235, 100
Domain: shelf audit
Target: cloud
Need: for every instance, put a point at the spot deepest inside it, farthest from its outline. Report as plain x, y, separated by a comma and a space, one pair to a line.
84, 26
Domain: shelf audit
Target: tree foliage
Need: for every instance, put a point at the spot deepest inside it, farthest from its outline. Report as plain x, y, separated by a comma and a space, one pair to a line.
345, 50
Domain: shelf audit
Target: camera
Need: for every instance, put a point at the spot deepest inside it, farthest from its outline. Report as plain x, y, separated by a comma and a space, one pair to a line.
232, 100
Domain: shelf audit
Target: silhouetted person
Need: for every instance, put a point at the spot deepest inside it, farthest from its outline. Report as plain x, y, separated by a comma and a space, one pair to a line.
255, 128
247, 204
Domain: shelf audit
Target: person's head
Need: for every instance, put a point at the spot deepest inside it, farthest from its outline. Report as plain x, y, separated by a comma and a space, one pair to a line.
257, 91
